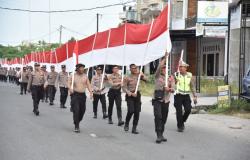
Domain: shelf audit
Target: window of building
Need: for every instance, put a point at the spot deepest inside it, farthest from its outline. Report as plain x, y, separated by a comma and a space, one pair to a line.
177, 6
210, 60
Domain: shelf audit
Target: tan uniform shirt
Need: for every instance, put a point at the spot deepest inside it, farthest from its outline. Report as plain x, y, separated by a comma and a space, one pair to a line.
96, 84
80, 82
9, 72
36, 78
130, 82
14, 73
160, 83
114, 80
51, 78
5, 72
62, 79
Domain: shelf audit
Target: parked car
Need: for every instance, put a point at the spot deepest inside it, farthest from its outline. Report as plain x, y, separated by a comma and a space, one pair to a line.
246, 82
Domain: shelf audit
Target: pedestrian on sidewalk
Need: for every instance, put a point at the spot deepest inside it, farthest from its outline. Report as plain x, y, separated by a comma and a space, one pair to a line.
78, 95
161, 99
184, 87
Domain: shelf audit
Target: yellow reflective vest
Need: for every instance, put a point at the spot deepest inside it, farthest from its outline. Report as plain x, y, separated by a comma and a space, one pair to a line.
183, 83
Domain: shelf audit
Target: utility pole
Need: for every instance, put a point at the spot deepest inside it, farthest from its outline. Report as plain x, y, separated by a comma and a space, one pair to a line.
91, 70
97, 22
60, 38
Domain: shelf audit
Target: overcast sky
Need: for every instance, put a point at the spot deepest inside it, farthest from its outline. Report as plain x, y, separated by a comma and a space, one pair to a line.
15, 25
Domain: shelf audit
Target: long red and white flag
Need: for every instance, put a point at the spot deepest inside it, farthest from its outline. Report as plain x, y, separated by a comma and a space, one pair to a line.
136, 41
125, 45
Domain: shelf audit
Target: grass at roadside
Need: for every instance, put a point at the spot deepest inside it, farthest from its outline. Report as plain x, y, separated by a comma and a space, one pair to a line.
239, 108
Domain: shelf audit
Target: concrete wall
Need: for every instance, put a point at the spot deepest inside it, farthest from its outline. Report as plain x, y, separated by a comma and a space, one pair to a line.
234, 52
234, 49
247, 55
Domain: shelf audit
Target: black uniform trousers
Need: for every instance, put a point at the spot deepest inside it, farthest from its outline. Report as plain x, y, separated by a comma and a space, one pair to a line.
134, 108
51, 92
102, 98
46, 94
179, 101
17, 81
160, 114
114, 96
23, 87
64, 95
37, 95
2, 78
78, 106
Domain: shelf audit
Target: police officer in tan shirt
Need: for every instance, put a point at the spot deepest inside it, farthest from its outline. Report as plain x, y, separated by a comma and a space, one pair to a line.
46, 94
24, 78
77, 93
62, 82
133, 99
114, 95
35, 86
51, 82
161, 99
98, 92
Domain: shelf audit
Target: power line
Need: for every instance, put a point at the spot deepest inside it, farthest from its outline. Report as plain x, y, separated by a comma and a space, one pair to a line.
70, 30
63, 11
45, 35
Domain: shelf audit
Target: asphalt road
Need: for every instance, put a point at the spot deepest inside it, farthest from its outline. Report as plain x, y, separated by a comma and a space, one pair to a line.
50, 136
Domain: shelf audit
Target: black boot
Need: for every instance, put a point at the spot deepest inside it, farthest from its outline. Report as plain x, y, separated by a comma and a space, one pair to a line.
105, 115
110, 121
158, 139
181, 129
77, 129
163, 139
37, 113
95, 116
134, 130
62, 106
126, 127
120, 122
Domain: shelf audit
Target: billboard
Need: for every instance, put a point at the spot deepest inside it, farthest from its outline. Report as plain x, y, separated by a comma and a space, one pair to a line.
212, 12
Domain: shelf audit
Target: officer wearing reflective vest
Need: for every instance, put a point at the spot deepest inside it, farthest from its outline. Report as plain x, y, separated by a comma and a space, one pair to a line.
184, 87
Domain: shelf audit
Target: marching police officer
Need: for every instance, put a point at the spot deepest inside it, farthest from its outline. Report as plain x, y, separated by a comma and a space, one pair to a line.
51, 86
77, 93
133, 99
1, 74
35, 86
5, 74
161, 99
184, 87
17, 77
62, 81
98, 92
114, 95
46, 94
24, 78
10, 75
